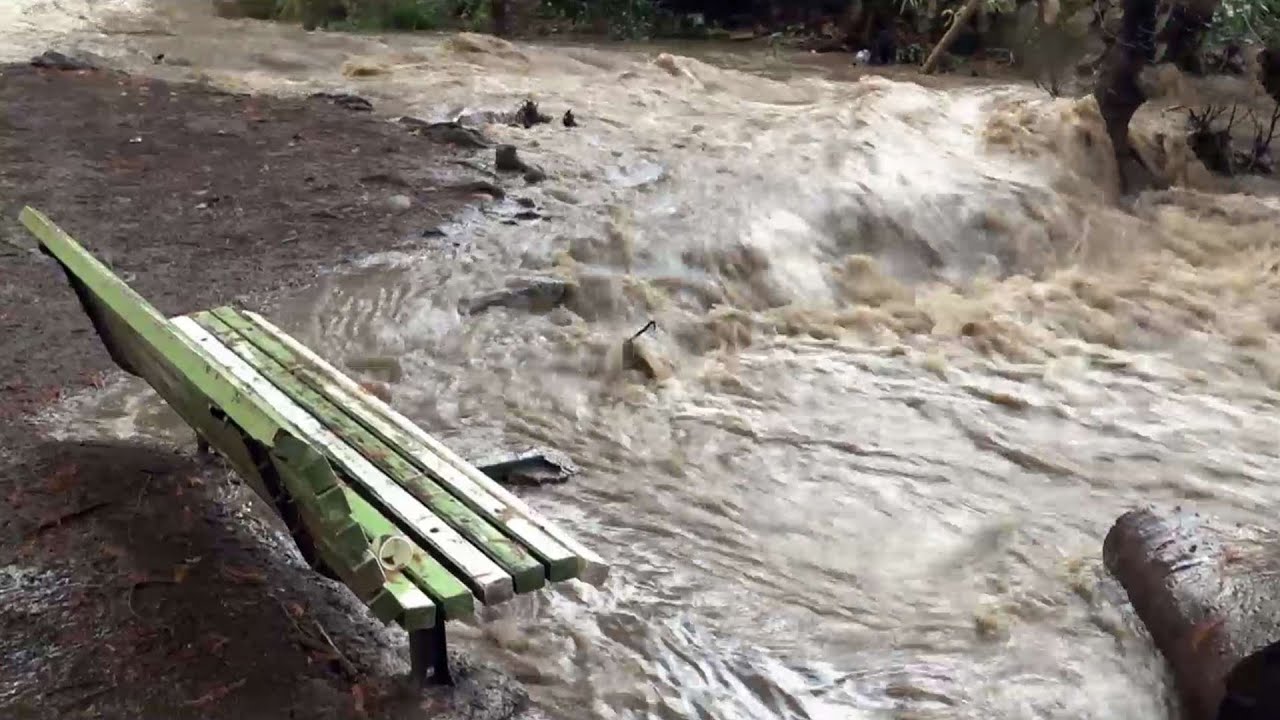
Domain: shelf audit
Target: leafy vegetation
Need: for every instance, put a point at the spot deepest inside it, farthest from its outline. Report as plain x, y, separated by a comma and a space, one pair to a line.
1235, 21
407, 15
1238, 21
620, 19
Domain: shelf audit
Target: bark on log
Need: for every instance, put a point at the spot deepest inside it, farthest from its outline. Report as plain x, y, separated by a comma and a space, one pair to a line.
1212, 605
961, 19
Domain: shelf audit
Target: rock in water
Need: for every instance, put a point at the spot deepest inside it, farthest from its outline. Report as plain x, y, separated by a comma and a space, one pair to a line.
1211, 602
533, 294
380, 390
399, 203
363, 67
643, 354
507, 159
569, 119
452, 133
528, 115
388, 366
54, 60
346, 100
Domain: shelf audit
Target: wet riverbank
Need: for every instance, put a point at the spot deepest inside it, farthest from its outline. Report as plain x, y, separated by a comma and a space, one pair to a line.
135, 579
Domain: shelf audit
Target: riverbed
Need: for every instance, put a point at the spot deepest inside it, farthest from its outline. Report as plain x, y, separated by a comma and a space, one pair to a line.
922, 355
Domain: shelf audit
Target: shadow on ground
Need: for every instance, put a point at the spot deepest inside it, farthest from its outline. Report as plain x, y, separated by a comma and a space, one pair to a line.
136, 582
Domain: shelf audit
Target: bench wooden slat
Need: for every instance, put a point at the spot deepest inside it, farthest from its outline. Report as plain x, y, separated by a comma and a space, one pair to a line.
451, 596
560, 562
592, 568
490, 582
526, 571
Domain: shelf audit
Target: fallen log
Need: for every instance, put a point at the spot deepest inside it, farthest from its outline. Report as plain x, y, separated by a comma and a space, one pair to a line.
1211, 602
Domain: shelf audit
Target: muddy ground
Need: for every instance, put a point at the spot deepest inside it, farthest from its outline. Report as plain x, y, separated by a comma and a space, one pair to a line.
139, 581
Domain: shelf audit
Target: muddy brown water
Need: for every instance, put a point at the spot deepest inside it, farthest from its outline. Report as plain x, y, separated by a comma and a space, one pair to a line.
923, 358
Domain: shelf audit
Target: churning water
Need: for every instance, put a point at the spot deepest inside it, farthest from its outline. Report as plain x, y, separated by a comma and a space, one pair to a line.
920, 358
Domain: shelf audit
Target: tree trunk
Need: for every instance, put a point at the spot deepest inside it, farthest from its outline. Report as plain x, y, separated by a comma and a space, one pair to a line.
1117, 91
1269, 71
961, 19
1212, 606
501, 20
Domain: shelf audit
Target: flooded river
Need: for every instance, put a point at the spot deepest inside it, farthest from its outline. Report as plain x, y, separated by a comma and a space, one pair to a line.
921, 361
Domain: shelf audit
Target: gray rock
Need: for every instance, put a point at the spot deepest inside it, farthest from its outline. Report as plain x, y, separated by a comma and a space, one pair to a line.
346, 100
54, 60
563, 196
399, 203
385, 365
539, 294
452, 133
507, 159
647, 356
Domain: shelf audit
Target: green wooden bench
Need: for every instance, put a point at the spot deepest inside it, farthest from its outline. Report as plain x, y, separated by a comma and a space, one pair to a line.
414, 530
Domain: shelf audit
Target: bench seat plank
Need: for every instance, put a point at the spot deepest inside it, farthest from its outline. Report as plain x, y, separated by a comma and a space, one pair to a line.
560, 562
526, 571
400, 601
420, 445
485, 578
451, 596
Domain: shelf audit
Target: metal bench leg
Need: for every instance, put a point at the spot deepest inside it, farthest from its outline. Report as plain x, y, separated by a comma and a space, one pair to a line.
429, 656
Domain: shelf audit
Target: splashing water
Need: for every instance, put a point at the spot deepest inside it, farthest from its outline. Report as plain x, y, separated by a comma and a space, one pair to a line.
923, 359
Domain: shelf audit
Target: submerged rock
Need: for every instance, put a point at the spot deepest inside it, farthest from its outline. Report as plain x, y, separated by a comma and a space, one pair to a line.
54, 60
529, 115
399, 203
452, 133
346, 100
645, 355
388, 366
380, 390
507, 159
533, 294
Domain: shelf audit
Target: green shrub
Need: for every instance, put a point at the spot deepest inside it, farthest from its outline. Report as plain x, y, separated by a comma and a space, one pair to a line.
622, 19
415, 15
1246, 21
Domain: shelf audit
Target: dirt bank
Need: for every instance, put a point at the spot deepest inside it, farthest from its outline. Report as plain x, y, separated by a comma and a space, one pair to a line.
136, 581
